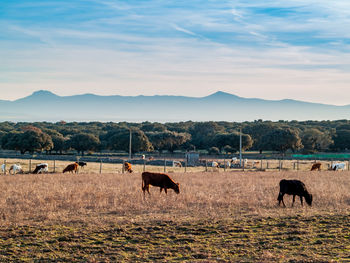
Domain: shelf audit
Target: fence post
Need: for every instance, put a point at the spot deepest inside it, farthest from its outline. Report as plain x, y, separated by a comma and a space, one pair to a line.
30, 165
164, 165
123, 165
100, 166
5, 167
348, 165
224, 165
279, 165
261, 165
206, 165
144, 165
185, 165
54, 166
297, 165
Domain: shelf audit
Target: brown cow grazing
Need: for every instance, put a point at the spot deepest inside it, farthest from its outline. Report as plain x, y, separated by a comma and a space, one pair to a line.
316, 166
160, 180
294, 187
73, 167
127, 167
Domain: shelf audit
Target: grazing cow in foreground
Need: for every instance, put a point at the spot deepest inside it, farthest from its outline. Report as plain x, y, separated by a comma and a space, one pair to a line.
127, 167
16, 168
338, 166
294, 187
316, 166
73, 167
41, 168
160, 180
82, 164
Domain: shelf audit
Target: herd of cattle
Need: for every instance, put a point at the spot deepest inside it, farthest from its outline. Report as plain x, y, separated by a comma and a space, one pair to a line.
164, 181
42, 168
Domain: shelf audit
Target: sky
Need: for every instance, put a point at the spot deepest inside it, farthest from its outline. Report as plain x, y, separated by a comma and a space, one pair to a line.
255, 49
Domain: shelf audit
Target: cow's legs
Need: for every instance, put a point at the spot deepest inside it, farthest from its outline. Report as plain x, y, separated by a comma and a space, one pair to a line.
301, 200
293, 200
166, 190
161, 189
280, 199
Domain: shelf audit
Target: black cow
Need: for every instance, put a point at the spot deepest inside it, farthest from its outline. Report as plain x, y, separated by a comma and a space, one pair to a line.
294, 187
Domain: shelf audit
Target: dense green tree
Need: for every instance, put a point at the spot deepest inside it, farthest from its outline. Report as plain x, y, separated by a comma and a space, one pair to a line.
203, 134
315, 140
31, 140
153, 127
119, 139
257, 130
222, 140
11, 141
341, 140
281, 140
168, 140
82, 142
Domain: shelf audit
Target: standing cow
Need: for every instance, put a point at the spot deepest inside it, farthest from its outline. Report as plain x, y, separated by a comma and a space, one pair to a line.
316, 166
294, 187
41, 168
15, 168
73, 167
160, 180
127, 167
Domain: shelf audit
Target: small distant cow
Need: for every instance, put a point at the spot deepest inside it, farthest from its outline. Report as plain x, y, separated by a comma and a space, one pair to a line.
338, 166
215, 164
294, 187
16, 168
41, 168
82, 164
160, 180
73, 167
127, 167
316, 166
177, 164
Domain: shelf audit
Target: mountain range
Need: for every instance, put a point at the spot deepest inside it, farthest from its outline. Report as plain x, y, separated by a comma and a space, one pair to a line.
46, 106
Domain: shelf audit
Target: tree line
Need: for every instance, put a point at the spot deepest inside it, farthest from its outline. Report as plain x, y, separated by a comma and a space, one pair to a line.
213, 137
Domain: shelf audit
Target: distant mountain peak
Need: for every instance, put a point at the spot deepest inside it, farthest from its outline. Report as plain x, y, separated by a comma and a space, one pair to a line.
221, 95
43, 93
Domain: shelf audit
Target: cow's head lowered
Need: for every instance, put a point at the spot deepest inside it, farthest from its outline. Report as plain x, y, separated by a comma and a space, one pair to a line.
177, 188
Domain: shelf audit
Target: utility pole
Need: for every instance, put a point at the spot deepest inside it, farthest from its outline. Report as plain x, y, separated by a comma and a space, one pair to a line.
130, 136
240, 147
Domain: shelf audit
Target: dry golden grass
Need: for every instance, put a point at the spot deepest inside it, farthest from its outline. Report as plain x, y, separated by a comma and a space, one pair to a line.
217, 217
103, 198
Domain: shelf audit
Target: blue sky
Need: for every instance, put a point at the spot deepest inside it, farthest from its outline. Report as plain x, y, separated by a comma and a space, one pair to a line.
267, 49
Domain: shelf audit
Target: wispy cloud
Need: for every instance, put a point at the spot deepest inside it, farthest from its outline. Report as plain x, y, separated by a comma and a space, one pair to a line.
274, 49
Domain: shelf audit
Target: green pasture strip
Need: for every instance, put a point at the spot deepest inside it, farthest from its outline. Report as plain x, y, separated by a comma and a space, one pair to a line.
320, 238
321, 156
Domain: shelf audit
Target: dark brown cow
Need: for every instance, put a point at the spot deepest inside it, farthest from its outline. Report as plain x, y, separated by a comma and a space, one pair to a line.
294, 187
127, 167
316, 166
160, 180
73, 167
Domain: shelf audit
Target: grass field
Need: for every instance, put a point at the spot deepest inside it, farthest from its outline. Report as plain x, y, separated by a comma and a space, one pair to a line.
217, 217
